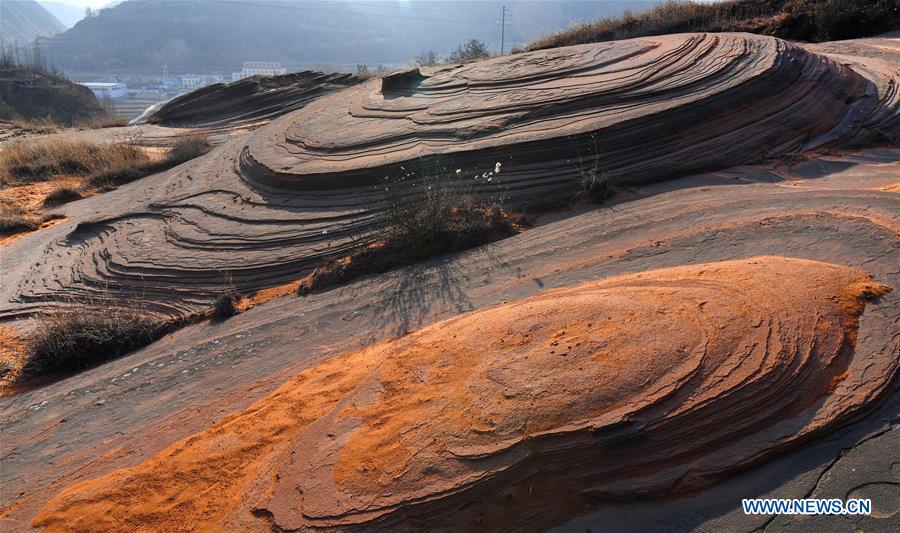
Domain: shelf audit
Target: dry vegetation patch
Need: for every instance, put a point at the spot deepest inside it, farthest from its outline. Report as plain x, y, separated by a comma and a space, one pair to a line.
805, 20
422, 218
36, 174
31, 161
69, 340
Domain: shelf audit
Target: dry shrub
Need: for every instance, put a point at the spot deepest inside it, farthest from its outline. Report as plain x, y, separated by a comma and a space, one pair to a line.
108, 121
101, 165
594, 185
85, 335
424, 216
32, 161
60, 196
14, 218
188, 147
807, 20
40, 125
224, 306
94, 330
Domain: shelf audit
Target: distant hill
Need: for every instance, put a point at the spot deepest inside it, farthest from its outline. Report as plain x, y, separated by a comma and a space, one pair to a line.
22, 21
66, 13
219, 35
29, 94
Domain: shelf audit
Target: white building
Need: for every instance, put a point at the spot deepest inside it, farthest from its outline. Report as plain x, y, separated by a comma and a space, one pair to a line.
259, 68
110, 91
194, 81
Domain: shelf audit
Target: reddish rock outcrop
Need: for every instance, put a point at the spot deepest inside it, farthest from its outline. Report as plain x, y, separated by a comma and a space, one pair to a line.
644, 384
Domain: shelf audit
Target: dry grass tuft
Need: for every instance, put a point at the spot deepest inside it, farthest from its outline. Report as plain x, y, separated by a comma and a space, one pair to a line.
32, 161
94, 167
39, 126
60, 196
188, 147
805, 20
108, 121
14, 218
73, 339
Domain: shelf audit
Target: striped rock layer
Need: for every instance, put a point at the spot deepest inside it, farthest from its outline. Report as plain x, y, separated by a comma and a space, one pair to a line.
266, 208
247, 101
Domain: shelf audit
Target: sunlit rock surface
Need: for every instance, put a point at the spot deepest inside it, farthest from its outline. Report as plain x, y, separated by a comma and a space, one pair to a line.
654, 383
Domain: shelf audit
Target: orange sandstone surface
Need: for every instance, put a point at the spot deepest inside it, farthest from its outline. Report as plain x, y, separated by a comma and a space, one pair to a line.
653, 383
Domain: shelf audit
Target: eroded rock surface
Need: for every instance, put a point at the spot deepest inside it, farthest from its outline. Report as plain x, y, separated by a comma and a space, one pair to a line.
654, 383
248, 101
266, 208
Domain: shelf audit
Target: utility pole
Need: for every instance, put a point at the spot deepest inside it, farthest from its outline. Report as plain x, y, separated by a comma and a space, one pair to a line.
502, 29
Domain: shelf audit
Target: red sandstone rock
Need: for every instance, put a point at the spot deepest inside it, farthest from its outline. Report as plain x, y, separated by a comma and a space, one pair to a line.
653, 383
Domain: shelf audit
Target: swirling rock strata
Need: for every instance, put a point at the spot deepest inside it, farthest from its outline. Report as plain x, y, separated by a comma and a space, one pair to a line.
652, 383
644, 108
269, 207
249, 100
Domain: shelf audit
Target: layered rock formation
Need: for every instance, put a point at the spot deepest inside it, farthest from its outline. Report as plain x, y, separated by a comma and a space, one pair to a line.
248, 101
644, 108
644, 384
267, 208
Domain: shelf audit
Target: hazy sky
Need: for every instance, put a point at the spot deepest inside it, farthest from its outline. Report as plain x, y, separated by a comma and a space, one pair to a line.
85, 3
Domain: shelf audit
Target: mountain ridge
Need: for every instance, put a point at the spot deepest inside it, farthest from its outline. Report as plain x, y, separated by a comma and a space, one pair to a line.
22, 21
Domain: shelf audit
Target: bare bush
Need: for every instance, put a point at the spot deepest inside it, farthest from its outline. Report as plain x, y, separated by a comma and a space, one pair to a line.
82, 336
60, 196
593, 183
188, 147
471, 50
364, 73
425, 214
426, 59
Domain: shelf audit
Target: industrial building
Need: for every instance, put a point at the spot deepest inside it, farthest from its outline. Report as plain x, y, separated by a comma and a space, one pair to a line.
259, 68
108, 91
